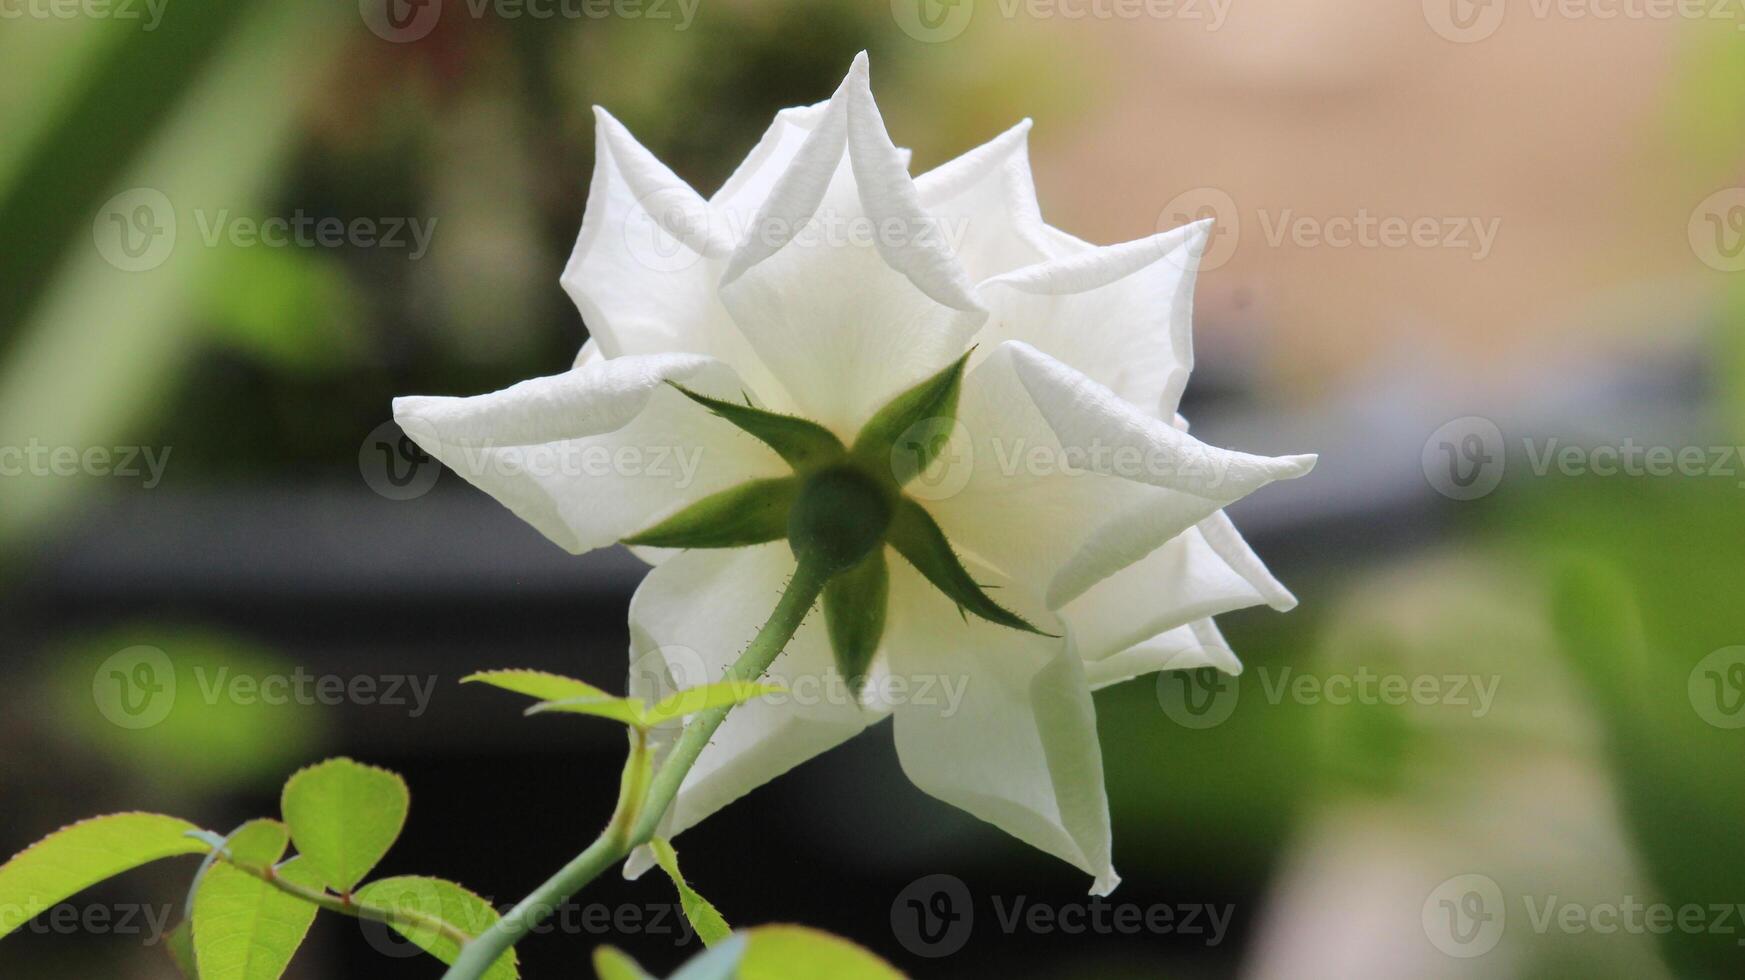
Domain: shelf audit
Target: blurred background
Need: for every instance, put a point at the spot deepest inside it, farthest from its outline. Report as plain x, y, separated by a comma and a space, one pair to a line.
1481, 256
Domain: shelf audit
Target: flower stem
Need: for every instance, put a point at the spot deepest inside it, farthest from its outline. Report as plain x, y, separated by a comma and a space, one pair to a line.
615, 844
344, 905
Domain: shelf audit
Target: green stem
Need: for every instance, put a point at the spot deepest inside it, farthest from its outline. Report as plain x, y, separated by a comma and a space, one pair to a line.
613, 846
343, 904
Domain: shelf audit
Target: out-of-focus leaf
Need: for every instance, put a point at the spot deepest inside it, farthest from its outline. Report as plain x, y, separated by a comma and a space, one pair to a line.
779, 952
102, 342
291, 308
613, 964
718, 962
173, 702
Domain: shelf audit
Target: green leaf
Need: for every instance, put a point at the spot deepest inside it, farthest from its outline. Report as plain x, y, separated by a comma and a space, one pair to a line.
888, 443
180, 945
344, 816
74, 858
612, 964
751, 513
716, 695
854, 615
710, 926
803, 443
444, 901
536, 684
244, 928
917, 537
627, 710
258, 843
718, 962
778, 952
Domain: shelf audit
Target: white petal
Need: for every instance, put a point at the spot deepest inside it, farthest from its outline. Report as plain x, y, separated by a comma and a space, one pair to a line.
1204, 571
645, 265
744, 192
1197, 644
1020, 749
697, 611
986, 202
1122, 315
846, 288
1064, 483
597, 453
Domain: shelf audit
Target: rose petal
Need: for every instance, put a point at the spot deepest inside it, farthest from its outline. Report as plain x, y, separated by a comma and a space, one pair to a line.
1122, 315
695, 612
986, 201
846, 287
1194, 645
645, 265
597, 453
1064, 483
1019, 749
1204, 571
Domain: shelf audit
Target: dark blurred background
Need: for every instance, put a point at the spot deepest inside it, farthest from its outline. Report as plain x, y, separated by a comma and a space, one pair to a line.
1478, 256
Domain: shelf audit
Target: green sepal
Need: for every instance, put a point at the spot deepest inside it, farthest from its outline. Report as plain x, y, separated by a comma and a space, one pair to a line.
803, 443
917, 537
897, 441
751, 513
854, 615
